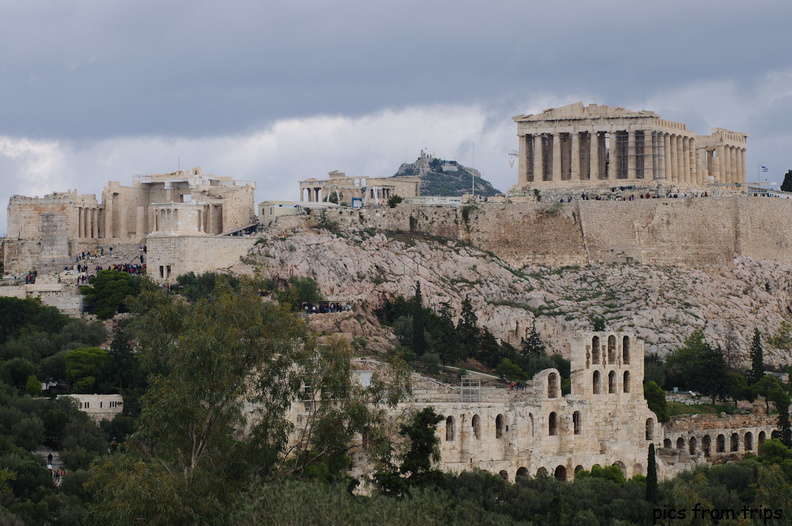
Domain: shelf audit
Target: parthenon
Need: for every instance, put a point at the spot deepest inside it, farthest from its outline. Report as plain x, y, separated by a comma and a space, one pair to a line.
579, 146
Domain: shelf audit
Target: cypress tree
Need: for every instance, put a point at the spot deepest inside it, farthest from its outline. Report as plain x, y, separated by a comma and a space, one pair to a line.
757, 358
651, 476
418, 336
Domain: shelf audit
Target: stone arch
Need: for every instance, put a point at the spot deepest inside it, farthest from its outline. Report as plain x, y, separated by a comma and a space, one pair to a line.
680, 443
720, 444
595, 349
762, 437
612, 382
552, 385
706, 445
667, 443
692, 446
626, 382
578, 469
650, 429
552, 424
541, 472
577, 423
522, 472
637, 470
476, 425
560, 473
499, 426
597, 382
450, 429
505, 475
748, 440
734, 443
626, 350
611, 349
622, 467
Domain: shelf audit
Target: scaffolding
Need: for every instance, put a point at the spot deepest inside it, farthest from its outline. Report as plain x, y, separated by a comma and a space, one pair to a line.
470, 389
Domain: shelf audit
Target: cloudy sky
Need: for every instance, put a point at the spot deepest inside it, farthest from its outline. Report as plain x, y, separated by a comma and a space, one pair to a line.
275, 92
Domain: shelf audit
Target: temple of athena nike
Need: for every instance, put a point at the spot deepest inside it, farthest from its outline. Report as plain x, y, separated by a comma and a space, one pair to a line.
578, 147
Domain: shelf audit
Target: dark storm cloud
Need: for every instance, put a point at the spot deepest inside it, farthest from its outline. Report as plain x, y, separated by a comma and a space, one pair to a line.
278, 91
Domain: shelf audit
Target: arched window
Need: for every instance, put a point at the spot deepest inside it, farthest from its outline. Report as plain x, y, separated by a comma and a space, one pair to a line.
706, 445
762, 438
552, 385
626, 382
720, 444
649, 429
611, 382
734, 443
522, 472
749, 441
680, 443
692, 446
476, 424
595, 349
553, 424
626, 350
597, 383
499, 426
667, 443
450, 429
611, 349
577, 425
560, 473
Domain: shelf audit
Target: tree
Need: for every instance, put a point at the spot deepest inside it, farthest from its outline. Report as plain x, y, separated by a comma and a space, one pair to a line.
468, 328
510, 371
223, 375
394, 200
651, 476
656, 400
418, 322
767, 387
698, 366
533, 345
757, 358
108, 292
83, 367
786, 186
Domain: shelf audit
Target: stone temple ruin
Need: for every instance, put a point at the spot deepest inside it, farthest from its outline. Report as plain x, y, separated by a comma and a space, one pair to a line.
45, 233
592, 146
604, 420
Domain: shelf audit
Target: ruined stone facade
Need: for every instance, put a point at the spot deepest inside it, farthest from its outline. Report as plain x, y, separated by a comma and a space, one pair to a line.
372, 190
45, 233
592, 146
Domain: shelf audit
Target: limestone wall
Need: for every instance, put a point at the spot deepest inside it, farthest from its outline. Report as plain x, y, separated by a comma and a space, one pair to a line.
689, 232
171, 256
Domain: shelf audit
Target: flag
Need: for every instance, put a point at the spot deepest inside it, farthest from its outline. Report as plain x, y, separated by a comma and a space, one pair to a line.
764, 168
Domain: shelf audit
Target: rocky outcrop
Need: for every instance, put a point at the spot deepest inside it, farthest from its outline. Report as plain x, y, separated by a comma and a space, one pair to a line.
661, 305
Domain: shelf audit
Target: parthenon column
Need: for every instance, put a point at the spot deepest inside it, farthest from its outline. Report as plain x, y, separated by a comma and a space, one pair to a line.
612, 162
556, 157
668, 167
522, 162
673, 155
680, 159
648, 155
594, 155
575, 157
538, 173
743, 173
686, 160
721, 149
631, 155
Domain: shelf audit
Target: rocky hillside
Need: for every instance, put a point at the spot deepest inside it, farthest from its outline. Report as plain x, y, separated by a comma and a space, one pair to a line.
662, 305
445, 178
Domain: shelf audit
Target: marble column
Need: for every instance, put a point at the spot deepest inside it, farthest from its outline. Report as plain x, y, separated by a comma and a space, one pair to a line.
594, 155
575, 157
556, 157
612, 152
648, 155
537, 160
631, 153
686, 160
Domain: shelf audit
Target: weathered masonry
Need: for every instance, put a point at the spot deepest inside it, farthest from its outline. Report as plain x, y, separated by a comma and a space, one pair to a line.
604, 420
45, 233
578, 146
371, 190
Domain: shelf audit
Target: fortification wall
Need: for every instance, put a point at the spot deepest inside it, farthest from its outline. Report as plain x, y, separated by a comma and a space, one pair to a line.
171, 256
688, 232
